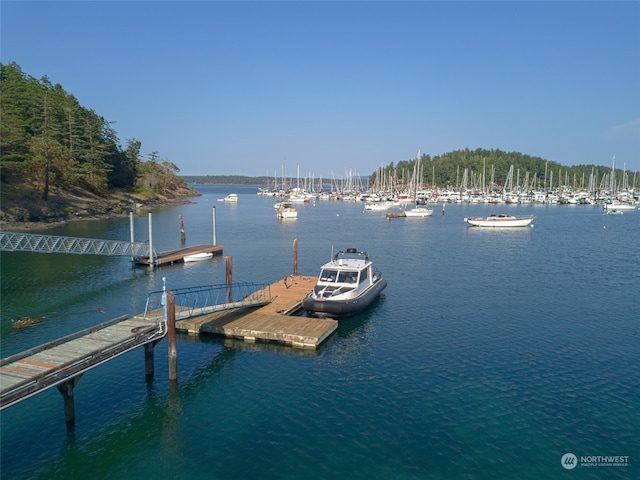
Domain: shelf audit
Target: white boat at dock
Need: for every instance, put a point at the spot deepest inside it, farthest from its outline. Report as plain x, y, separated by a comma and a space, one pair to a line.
198, 257
502, 220
346, 285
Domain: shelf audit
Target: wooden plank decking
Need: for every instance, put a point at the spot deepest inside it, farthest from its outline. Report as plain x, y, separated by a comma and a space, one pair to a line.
271, 322
45, 366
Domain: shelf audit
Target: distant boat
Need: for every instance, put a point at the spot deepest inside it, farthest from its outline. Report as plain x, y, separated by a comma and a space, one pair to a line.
232, 198
346, 285
198, 257
418, 211
614, 212
501, 220
378, 206
619, 206
285, 210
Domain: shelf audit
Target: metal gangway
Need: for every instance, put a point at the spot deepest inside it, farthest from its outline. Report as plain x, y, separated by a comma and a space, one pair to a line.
29, 242
202, 300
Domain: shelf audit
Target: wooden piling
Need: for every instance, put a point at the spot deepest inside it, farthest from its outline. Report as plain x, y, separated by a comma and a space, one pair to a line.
66, 389
183, 237
229, 270
295, 256
148, 359
171, 336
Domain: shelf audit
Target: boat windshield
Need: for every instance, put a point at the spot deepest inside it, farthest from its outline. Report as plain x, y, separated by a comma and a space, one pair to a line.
340, 276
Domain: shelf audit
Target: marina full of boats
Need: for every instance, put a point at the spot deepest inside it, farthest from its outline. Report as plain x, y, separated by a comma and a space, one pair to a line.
385, 200
385, 195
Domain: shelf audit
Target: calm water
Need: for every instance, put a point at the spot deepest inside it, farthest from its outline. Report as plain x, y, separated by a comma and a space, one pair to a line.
489, 355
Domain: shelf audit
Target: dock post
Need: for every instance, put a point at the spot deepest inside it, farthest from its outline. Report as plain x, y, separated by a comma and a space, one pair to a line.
148, 359
214, 225
229, 279
151, 259
295, 256
171, 336
131, 235
66, 389
183, 237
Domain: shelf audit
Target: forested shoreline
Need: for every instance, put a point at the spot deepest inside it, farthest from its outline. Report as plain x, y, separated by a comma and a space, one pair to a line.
60, 160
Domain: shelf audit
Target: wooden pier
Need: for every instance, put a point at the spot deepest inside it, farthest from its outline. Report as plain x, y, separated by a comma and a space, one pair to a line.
274, 322
62, 362
175, 256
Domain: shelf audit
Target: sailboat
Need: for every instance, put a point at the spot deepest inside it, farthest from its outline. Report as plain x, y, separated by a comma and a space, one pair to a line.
418, 210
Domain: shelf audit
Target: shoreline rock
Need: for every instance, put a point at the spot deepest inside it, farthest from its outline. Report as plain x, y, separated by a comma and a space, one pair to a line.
27, 211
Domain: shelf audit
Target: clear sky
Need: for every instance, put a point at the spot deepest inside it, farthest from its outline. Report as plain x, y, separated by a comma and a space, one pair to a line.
223, 88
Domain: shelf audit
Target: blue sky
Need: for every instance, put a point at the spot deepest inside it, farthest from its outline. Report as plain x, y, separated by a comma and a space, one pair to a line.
222, 88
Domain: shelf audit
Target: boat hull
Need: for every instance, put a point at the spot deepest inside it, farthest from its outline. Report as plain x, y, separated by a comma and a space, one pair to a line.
332, 308
627, 207
198, 257
499, 221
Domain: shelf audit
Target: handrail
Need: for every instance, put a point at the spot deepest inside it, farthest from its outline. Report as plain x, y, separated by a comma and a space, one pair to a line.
194, 301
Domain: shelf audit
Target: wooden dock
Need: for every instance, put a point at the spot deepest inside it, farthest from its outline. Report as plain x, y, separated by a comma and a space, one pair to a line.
274, 322
66, 359
177, 255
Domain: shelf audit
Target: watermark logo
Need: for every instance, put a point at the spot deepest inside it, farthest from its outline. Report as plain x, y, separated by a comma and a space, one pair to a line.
569, 461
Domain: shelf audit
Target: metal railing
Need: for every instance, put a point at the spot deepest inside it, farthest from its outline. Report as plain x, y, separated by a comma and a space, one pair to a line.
29, 242
195, 301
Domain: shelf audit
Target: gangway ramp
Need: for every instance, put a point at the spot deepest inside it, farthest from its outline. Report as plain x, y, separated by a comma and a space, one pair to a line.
201, 300
65, 359
30, 242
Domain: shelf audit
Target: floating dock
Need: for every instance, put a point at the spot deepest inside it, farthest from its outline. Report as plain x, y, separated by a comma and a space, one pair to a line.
177, 255
273, 322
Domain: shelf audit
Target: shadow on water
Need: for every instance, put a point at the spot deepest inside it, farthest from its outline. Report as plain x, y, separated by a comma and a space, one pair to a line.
158, 417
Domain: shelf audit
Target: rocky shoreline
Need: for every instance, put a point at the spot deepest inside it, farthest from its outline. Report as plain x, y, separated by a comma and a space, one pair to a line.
22, 210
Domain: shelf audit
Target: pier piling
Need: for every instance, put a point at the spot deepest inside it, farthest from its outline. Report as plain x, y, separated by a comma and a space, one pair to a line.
171, 336
183, 237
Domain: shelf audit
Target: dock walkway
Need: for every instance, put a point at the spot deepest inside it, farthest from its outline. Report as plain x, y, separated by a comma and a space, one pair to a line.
267, 314
274, 321
52, 364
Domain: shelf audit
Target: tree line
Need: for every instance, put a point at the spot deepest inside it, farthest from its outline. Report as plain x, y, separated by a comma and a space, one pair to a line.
47, 137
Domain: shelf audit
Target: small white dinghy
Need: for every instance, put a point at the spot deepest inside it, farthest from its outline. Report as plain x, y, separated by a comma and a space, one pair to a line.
198, 257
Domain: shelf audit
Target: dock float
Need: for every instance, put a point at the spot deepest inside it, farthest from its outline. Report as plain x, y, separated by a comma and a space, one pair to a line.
273, 322
177, 255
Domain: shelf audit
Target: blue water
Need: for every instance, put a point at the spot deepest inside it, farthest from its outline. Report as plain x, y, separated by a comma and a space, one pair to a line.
490, 354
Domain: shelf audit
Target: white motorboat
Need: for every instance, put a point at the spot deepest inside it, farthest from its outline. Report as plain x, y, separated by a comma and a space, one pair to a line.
346, 285
285, 210
198, 257
501, 220
231, 198
418, 211
619, 206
